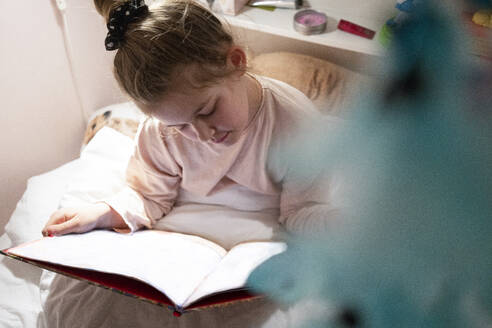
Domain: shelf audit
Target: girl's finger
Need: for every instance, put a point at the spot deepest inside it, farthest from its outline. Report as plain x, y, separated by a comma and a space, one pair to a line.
60, 216
62, 228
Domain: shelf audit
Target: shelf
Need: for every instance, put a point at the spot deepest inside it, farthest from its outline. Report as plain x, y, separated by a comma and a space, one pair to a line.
371, 14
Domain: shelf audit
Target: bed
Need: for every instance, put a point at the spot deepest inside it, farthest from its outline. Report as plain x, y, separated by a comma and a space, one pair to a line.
44, 299
32, 297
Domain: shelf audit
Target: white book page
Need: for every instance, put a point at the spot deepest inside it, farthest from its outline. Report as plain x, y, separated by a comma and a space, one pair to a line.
173, 263
235, 267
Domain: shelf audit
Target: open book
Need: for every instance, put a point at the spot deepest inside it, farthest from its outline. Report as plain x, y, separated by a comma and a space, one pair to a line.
166, 268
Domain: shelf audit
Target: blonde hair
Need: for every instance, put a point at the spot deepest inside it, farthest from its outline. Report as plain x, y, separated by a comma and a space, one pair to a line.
169, 38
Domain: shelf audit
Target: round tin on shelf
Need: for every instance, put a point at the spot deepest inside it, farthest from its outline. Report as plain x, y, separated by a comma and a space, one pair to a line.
310, 21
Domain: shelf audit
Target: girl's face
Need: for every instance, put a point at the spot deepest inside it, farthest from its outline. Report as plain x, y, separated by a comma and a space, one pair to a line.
217, 114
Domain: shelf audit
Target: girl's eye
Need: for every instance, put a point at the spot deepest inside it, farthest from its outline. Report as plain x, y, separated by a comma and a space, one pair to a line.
207, 114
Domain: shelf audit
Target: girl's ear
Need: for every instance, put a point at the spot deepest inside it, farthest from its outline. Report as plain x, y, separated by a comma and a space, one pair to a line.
236, 59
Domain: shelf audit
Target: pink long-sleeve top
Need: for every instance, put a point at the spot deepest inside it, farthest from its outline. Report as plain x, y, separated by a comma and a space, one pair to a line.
166, 165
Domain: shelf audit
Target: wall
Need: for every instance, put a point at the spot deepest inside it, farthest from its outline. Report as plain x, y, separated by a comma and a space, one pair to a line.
42, 124
91, 63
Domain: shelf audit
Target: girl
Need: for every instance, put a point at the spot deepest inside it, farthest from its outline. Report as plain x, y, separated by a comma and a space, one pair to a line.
211, 127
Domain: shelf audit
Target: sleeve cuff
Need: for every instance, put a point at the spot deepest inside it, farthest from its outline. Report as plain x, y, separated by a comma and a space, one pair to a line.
131, 208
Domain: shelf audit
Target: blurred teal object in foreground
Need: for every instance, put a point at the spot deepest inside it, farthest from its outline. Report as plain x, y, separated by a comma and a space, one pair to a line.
415, 246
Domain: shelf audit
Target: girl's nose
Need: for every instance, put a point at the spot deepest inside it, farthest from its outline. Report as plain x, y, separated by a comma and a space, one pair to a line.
202, 130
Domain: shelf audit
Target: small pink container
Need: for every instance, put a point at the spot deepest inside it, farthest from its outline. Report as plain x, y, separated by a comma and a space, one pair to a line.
310, 21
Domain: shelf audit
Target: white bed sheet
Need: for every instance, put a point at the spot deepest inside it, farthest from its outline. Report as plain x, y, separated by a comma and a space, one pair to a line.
31, 297
20, 294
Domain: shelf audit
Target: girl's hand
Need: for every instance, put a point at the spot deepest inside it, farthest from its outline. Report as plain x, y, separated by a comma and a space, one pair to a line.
82, 219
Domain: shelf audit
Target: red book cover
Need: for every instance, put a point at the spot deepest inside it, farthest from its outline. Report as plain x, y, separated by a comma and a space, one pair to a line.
219, 284
137, 289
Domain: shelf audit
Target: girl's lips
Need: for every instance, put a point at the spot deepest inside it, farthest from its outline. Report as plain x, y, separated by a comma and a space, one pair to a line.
221, 139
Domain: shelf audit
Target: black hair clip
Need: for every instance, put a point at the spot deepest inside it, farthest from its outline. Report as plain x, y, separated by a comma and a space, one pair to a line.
119, 18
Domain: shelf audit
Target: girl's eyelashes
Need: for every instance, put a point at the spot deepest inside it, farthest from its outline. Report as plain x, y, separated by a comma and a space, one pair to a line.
208, 113
182, 126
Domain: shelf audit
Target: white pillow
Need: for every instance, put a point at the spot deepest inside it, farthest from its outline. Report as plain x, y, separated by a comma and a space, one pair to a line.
41, 198
103, 160
102, 173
